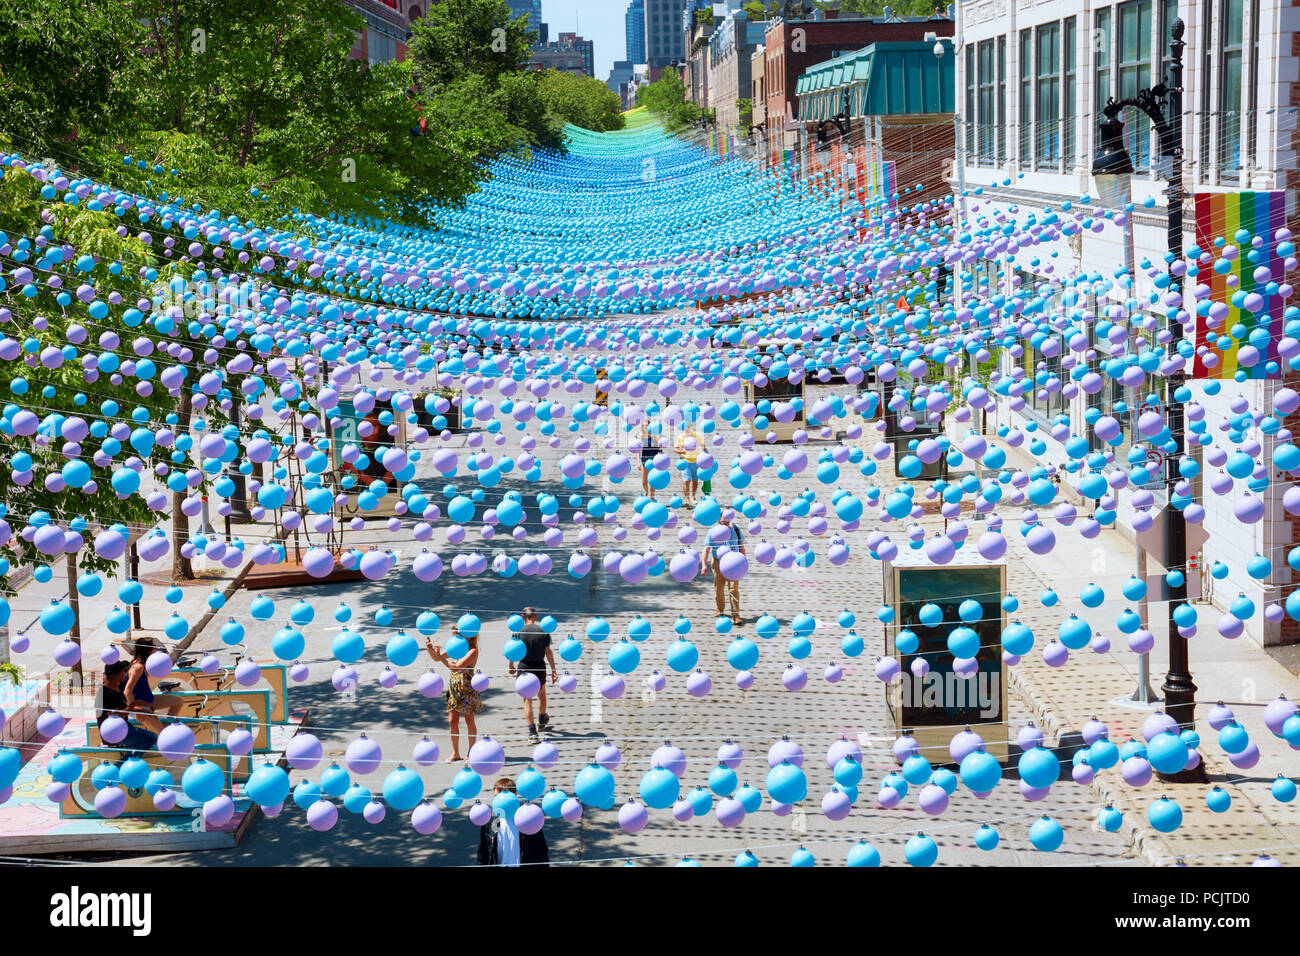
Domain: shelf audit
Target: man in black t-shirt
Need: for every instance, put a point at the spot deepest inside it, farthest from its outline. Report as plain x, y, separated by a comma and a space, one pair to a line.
537, 654
110, 701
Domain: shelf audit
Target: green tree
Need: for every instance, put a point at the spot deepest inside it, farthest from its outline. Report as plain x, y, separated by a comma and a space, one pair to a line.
459, 38
666, 98
581, 100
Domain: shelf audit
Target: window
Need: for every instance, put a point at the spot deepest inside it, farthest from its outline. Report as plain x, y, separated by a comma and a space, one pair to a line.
1168, 14
971, 118
1070, 48
1134, 75
1048, 142
1229, 116
1101, 40
1026, 95
1002, 98
1252, 88
986, 115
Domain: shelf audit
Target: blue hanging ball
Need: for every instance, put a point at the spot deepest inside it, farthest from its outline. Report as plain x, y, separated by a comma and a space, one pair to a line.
1218, 799
921, 851
1092, 596
268, 785
863, 854
594, 786
262, 608
1167, 753
1165, 815
802, 856
746, 859
980, 771
916, 770
907, 642
1039, 767
786, 783
1046, 834
1259, 567
404, 788
931, 615
986, 838
1283, 789
1110, 819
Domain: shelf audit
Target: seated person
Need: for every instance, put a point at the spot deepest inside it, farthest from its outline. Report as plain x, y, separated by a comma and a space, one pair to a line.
140, 698
110, 700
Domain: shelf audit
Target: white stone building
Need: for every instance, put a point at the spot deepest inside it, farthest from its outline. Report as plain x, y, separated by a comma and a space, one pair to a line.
1032, 77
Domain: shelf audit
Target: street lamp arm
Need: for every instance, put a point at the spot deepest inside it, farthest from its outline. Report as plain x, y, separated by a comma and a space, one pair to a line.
1150, 102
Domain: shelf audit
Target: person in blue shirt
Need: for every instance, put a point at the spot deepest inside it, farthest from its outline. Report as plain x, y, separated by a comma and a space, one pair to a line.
724, 589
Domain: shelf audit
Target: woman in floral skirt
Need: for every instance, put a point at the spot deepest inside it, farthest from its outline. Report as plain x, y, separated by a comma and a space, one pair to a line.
461, 696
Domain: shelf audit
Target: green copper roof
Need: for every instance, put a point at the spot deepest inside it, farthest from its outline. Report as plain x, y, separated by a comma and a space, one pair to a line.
883, 79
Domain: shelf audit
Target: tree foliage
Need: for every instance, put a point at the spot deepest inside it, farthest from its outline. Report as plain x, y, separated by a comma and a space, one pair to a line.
581, 100
258, 107
666, 98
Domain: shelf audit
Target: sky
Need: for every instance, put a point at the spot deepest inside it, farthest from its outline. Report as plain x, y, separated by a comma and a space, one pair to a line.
600, 21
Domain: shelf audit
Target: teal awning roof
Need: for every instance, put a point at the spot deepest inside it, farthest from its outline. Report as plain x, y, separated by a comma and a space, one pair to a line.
883, 79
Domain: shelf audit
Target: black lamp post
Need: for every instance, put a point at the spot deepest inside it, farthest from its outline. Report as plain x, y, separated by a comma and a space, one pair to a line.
1112, 168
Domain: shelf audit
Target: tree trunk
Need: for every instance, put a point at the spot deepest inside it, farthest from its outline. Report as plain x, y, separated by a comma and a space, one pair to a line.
182, 569
74, 599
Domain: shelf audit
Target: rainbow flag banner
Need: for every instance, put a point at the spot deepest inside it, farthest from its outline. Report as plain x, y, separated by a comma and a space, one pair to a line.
1253, 308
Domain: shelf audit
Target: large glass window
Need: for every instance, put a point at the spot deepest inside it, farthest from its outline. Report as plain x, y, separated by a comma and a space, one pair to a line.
972, 121
987, 117
1230, 92
1048, 149
1134, 75
1002, 98
1026, 95
1070, 43
1101, 43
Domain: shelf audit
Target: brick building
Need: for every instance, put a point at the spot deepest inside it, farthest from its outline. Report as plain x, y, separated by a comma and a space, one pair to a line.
792, 46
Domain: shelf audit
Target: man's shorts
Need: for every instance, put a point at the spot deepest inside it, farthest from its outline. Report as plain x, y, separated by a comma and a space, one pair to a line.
691, 471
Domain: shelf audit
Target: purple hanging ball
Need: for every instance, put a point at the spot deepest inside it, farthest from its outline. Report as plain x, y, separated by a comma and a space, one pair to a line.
322, 815
67, 653
699, 684
1040, 539
426, 818
113, 730
165, 799
836, 804
744, 680
318, 562
933, 799
571, 810
730, 812
176, 741
480, 813
299, 673
527, 685
110, 802
1247, 758
888, 798
374, 812
1056, 654
794, 677
218, 811
887, 668
1277, 712
632, 817
1033, 794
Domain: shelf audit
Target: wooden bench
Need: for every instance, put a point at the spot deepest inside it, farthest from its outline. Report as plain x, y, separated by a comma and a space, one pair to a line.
80, 801
274, 675
198, 707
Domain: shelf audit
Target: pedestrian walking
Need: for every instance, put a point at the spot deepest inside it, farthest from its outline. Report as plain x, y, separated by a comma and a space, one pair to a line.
461, 696
689, 443
649, 449
537, 655
720, 544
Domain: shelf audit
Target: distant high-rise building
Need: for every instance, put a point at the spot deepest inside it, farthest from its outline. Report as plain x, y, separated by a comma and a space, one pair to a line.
663, 33
533, 10
634, 21
569, 53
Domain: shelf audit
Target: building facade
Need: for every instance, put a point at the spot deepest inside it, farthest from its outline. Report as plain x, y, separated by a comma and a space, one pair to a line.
897, 144
1031, 82
634, 28
792, 46
387, 29
663, 34
730, 51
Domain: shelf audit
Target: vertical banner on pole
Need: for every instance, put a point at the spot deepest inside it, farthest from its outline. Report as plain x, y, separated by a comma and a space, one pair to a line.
1252, 304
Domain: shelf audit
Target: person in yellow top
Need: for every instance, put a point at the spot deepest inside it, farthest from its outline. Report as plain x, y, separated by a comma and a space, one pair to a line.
689, 444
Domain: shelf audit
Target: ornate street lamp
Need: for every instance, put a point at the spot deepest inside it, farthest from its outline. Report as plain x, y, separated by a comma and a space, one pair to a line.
1112, 167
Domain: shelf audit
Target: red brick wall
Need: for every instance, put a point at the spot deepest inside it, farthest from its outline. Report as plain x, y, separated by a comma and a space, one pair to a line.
821, 40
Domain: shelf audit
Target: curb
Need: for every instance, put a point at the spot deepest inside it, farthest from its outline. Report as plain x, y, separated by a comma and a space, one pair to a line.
1153, 847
